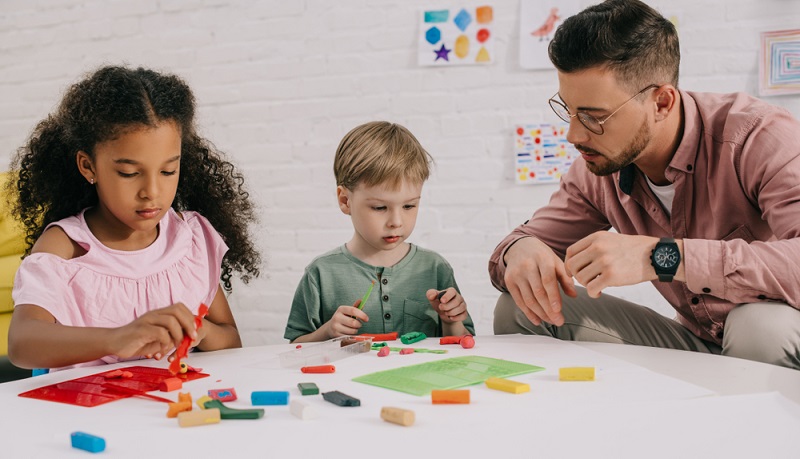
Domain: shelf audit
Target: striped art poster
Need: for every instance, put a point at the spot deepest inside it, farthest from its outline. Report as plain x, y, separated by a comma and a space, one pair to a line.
542, 152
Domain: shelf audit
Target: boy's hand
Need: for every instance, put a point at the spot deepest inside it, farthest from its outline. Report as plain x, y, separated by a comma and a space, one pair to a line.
155, 333
449, 304
345, 321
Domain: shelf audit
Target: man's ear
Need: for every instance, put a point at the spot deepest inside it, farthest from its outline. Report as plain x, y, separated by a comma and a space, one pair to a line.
343, 197
86, 166
666, 101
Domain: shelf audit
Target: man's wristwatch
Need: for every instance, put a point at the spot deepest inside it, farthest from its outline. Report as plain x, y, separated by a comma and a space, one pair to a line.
665, 259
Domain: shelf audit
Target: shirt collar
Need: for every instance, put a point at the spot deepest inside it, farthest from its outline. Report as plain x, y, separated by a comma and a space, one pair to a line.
685, 156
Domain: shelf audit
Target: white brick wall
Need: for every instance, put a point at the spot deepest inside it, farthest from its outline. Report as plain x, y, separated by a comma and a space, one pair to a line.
280, 82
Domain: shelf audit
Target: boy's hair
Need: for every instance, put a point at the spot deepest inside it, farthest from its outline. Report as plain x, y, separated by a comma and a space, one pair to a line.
628, 37
378, 153
107, 103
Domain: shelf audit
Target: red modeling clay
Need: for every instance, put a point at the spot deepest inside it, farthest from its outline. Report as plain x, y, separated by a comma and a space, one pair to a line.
183, 349
319, 369
381, 336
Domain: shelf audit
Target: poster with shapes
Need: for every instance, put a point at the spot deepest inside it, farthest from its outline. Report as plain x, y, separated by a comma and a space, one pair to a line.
538, 21
542, 152
457, 36
779, 63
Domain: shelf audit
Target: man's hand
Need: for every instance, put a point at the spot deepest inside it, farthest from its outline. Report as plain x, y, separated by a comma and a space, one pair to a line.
606, 259
533, 275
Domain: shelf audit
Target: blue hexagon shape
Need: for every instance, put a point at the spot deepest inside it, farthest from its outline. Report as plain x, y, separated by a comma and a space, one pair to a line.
433, 35
462, 20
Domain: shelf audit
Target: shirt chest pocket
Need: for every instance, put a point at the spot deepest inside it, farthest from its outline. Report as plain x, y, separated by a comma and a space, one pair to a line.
420, 317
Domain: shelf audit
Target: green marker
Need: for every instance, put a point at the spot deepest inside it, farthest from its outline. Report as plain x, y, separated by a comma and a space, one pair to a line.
366, 296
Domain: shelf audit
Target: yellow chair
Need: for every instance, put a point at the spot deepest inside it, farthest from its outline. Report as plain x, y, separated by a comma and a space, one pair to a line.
12, 246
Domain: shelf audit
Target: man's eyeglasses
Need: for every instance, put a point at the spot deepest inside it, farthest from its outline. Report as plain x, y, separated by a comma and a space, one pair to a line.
588, 121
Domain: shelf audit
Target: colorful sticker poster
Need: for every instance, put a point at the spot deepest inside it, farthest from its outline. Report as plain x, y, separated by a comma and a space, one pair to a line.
458, 36
538, 21
779, 63
542, 152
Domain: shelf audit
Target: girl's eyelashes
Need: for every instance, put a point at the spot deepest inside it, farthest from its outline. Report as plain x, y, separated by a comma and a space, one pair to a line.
133, 174
409, 206
379, 208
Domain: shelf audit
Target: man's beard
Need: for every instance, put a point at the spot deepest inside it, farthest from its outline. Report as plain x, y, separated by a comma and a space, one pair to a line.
628, 155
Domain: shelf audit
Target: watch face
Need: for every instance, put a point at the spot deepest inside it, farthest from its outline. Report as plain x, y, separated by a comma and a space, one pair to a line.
666, 257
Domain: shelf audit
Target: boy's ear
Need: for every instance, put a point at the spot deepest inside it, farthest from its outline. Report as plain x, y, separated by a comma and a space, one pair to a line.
85, 166
343, 197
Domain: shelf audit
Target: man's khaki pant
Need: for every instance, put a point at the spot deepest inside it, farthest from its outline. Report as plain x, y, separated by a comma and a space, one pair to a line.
764, 332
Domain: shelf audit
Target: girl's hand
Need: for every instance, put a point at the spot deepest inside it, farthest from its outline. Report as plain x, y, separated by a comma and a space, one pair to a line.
155, 333
449, 304
202, 332
345, 321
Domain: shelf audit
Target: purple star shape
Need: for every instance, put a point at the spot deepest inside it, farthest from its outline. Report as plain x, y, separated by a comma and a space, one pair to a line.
442, 53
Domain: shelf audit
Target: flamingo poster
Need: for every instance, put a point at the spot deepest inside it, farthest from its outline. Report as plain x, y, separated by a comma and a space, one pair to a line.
538, 21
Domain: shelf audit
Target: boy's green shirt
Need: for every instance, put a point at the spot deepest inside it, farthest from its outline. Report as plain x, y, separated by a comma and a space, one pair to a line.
397, 302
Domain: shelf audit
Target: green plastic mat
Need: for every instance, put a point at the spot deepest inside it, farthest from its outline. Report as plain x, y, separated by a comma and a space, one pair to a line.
445, 374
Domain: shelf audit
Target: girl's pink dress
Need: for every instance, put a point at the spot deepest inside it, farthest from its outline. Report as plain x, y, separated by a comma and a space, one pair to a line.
111, 288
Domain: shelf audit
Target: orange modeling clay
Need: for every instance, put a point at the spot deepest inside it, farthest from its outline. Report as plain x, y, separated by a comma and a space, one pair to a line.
183, 349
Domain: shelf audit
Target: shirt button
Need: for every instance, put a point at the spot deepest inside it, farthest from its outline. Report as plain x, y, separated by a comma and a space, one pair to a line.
385, 297
387, 316
706, 290
385, 281
762, 297
719, 334
695, 300
688, 167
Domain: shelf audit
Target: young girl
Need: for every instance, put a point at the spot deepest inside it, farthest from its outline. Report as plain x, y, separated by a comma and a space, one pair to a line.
111, 188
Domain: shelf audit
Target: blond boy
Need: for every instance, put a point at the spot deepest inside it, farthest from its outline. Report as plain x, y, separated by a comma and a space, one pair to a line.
380, 168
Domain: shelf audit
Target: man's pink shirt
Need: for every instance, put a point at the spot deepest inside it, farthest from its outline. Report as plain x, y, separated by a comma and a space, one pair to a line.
737, 208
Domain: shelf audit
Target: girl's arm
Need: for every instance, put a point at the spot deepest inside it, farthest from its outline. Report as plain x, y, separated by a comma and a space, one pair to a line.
219, 328
36, 340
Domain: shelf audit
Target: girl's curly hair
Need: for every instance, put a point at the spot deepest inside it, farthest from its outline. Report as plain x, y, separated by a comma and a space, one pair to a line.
107, 103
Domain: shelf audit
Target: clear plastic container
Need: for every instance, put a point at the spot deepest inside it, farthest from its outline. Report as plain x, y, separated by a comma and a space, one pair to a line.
326, 351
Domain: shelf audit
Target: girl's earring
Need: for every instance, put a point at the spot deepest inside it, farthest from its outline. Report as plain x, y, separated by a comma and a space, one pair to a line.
91, 180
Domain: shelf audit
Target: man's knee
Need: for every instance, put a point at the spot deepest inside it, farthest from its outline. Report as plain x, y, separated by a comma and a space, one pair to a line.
509, 319
764, 332
504, 311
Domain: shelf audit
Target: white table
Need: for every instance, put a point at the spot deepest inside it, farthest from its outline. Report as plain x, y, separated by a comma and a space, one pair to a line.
723, 375
690, 405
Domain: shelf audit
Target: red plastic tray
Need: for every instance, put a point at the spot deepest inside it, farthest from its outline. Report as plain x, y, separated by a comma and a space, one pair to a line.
91, 390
